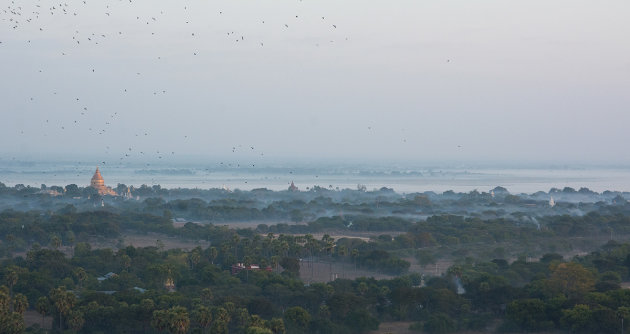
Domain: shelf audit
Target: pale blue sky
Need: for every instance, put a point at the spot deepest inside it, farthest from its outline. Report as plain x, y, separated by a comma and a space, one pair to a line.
463, 81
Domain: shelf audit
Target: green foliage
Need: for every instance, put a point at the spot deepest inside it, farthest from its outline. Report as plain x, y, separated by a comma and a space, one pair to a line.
529, 314
290, 264
63, 302
578, 319
10, 321
361, 321
297, 319
582, 295
425, 257
571, 279
20, 303
440, 323
383, 261
258, 330
232, 305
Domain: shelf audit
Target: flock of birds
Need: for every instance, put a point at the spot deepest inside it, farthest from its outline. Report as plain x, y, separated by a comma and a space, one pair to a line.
36, 23
59, 28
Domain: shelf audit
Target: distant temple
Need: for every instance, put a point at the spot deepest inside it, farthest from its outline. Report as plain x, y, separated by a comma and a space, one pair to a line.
127, 194
99, 184
292, 187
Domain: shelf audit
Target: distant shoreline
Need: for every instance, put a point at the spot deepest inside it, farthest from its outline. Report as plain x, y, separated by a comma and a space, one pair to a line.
400, 179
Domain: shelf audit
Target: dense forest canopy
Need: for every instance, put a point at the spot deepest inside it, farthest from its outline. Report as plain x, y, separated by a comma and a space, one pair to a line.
502, 262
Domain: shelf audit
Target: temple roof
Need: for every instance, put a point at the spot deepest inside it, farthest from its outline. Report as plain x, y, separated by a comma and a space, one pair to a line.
97, 175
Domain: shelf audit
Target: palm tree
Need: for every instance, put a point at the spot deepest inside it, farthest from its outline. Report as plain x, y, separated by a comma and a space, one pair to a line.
256, 240
10, 238
284, 246
329, 244
14, 324
203, 316
81, 276
313, 247
267, 243
221, 314
355, 255
63, 302
147, 306
276, 325
178, 320
241, 317
76, 320
11, 278
213, 253
43, 307
206, 296
55, 241
158, 321
70, 239
343, 251
20, 303
247, 261
125, 261
275, 260
194, 257
235, 241
246, 246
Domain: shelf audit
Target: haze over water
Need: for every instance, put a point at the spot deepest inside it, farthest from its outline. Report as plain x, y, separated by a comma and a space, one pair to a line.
402, 179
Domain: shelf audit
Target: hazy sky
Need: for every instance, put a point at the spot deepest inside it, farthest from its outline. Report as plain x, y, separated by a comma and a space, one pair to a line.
459, 80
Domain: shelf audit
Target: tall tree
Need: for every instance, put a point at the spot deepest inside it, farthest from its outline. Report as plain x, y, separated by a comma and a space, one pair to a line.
11, 277
343, 252
75, 320
145, 311
81, 275
194, 257
355, 256
297, 319
276, 325
572, 280
178, 321
20, 303
10, 322
159, 320
206, 296
125, 262
55, 241
203, 316
213, 253
70, 240
63, 301
43, 307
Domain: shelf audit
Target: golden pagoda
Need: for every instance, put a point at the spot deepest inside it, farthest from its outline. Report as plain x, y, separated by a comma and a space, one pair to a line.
99, 184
